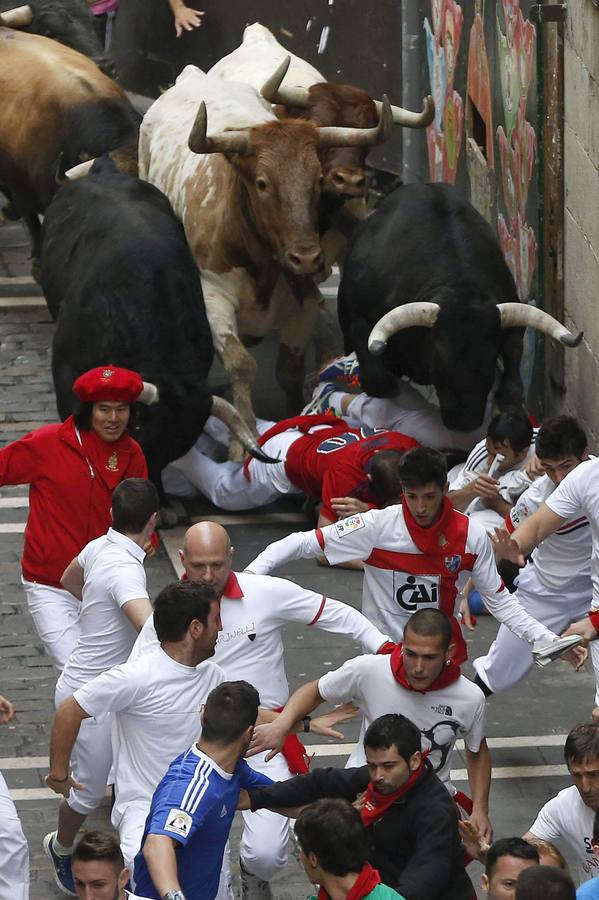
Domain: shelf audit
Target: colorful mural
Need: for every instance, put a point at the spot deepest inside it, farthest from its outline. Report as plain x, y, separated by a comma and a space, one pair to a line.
517, 142
480, 135
444, 135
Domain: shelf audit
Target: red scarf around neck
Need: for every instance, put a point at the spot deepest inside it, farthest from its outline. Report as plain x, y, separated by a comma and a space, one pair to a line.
367, 881
448, 674
450, 527
377, 804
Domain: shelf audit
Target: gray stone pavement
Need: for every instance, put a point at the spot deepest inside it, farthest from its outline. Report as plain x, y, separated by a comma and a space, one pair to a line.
528, 722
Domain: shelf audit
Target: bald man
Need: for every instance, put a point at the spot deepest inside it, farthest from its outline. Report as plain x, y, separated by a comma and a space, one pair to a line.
254, 609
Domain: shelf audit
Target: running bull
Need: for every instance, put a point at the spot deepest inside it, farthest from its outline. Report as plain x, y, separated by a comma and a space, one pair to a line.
70, 22
133, 299
72, 112
426, 293
300, 91
248, 196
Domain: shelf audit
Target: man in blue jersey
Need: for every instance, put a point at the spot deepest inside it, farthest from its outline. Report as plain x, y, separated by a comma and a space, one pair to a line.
194, 804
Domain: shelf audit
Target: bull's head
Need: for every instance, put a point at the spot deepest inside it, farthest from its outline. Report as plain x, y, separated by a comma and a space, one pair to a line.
465, 341
343, 105
68, 21
280, 168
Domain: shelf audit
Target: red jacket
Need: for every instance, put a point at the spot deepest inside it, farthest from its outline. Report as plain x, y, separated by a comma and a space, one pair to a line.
68, 505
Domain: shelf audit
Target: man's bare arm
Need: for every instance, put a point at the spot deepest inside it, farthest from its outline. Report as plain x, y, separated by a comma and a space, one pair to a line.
65, 729
527, 536
478, 766
159, 854
137, 611
272, 736
72, 579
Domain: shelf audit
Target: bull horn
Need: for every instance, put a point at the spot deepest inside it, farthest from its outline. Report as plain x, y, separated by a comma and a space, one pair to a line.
420, 313
270, 88
227, 413
80, 170
331, 136
225, 142
19, 17
150, 394
519, 315
410, 119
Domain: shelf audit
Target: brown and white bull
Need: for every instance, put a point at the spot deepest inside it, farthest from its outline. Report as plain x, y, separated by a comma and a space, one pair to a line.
248, 197
58, 108
304, 93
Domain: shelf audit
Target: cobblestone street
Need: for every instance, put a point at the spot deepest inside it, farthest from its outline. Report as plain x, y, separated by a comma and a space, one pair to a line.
526, 727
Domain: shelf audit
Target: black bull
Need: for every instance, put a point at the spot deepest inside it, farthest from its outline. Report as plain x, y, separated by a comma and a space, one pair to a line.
426, 245
70, 22
116, 265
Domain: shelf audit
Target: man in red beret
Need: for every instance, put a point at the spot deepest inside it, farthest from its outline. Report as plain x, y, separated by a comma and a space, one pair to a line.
72, 469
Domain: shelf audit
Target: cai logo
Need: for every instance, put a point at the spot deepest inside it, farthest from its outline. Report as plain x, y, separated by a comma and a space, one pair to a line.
416, 591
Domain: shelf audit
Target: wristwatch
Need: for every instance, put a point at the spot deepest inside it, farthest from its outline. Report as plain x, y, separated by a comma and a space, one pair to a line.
173, 895
307, 720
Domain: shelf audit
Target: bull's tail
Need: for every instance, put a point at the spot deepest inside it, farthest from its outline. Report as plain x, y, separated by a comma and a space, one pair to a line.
227, 413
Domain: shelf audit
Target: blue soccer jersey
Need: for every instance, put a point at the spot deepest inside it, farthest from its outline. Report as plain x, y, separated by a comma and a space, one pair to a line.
194, 804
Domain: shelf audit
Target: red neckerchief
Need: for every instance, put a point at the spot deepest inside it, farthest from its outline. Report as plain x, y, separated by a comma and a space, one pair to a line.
437, 537
449, 673
232, 589
377, 804
366, 883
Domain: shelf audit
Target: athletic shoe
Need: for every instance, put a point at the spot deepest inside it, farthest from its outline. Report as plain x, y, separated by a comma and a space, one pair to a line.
61, 865
343, 370
321, 400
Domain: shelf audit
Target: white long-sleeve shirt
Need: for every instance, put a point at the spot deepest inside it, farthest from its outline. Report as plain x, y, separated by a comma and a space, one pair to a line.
398, 577
254, 608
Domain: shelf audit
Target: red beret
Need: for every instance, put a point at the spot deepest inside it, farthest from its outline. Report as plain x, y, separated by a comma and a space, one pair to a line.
108, 383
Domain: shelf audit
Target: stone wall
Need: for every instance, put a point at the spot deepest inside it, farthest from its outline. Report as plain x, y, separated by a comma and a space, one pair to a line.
581, 256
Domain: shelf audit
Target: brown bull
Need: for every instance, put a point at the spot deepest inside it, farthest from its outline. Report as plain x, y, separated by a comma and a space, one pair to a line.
248, 197
57, 110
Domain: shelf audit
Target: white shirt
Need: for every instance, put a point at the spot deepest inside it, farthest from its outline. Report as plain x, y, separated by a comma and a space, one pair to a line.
113, 575
511, 482
156, 704
578, 495
398, 578
442, 716
254, 609
563, 557
565, 817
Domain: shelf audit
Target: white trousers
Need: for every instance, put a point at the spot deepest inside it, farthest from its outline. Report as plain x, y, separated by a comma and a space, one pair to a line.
55, 614
14, 855
409, 413
131, 826
224, 483
91, 759
263, 845
509, 658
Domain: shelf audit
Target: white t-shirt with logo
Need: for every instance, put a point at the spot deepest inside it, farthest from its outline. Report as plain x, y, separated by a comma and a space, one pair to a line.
511, 483
398, 578
442, 716
156, 704
250, 645
563, 560
565, 817
113, 575
578, 495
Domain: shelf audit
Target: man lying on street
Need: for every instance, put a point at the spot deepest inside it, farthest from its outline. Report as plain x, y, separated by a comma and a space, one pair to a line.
411, 818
